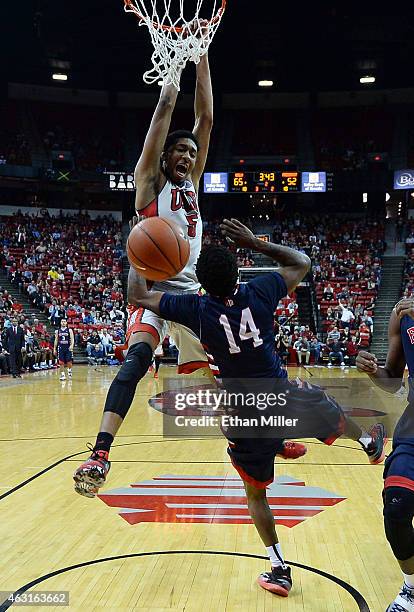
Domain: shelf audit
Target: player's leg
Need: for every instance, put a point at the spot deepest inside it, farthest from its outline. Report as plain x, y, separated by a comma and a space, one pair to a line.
398, 498
254, 461
61, 358
278, 580
69, 363
320, 416
144, 332
191, 356
157, 362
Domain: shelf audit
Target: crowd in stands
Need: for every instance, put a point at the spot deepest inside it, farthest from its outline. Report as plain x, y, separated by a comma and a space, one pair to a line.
346, 269
37, 353
69, 267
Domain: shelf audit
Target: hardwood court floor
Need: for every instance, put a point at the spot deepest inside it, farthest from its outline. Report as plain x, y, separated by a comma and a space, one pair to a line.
45, 526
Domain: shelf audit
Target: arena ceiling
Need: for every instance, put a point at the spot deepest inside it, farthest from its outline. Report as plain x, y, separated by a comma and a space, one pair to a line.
309, 48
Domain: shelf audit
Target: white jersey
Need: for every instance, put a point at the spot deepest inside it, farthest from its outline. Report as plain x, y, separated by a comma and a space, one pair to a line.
180, 205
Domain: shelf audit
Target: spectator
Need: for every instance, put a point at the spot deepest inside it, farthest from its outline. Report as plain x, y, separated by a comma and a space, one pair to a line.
302, 348
14, 343
347, 316
334, 335
335, 352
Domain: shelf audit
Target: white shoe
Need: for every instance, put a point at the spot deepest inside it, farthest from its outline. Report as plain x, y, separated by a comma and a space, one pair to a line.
69, 374
329, 365
404, 602
342, 364
62, 376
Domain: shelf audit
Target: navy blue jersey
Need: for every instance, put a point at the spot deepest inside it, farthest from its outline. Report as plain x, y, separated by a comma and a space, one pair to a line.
63, 337
407, 338
239, 331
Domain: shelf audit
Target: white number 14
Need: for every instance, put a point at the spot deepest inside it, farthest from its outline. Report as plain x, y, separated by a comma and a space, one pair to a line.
246, 323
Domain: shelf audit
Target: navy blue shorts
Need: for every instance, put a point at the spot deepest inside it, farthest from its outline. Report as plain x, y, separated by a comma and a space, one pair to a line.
319, 416
399, 467
64, 355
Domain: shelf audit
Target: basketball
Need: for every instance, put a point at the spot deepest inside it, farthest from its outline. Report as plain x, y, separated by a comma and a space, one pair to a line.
157, 248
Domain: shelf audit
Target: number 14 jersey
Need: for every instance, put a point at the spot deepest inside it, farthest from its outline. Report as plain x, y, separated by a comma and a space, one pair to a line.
238, 332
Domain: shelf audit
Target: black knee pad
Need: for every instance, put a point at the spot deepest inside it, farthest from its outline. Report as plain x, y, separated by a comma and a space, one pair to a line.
398, 516
122, 390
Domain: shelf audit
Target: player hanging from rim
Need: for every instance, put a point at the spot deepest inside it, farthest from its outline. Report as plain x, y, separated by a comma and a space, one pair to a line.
63, 348
235, 326
167, 179
398, 494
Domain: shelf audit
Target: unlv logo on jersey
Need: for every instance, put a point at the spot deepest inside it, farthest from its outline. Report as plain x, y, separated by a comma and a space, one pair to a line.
188, 201
410, 332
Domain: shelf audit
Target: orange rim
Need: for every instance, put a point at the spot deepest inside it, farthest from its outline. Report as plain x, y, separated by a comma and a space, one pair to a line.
130, 6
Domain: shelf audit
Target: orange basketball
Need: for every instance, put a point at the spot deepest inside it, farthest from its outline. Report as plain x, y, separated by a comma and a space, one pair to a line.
157, 248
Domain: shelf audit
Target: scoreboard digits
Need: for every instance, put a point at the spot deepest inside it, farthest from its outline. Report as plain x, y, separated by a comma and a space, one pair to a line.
264, 181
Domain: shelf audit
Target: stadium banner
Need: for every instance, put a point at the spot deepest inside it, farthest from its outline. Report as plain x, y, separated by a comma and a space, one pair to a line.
314, 182
120, 181
404, 179
215, 182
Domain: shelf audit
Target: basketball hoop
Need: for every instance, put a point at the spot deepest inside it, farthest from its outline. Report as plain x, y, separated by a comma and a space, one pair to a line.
175, 39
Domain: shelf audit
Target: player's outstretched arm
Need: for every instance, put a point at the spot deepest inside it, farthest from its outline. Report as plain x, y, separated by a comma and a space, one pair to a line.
148, 166
138, 294
388, 377
203, 111
292, 264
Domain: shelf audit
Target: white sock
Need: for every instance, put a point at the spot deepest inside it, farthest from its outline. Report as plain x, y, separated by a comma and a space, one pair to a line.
275, 555
365, 439
409, 580
69, 370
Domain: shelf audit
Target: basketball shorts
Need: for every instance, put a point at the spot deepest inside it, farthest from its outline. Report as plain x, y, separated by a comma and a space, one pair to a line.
191, 355
64, 355
399, 467
319, 416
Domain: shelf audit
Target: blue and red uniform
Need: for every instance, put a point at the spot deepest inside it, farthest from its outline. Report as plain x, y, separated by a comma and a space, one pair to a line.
64, 354
399, 466
237, 334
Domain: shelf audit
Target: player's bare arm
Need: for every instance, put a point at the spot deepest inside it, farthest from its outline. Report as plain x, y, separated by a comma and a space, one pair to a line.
148, 175
138, 294
389, 376
72, 340
203, 111
293, 265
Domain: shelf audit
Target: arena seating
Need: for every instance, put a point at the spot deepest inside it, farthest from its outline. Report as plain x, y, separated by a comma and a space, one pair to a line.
346, 267
69, 266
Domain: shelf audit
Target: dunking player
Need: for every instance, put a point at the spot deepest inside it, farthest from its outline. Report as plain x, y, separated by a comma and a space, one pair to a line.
398, 494
63, 348
167, 177
235, 325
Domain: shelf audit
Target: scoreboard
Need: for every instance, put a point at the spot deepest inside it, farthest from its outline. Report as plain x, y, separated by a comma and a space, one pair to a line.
277, 181
263, 182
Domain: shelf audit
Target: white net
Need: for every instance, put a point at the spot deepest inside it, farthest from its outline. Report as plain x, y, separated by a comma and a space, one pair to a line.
175, 38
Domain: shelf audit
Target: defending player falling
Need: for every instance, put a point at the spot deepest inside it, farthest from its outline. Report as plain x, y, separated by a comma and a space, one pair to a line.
167, 179
235, 325
398, 494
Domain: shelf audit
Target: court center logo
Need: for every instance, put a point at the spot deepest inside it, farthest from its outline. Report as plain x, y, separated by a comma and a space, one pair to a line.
215, 499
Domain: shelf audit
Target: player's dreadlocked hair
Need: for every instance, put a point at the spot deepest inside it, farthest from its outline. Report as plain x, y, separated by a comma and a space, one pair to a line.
217, 271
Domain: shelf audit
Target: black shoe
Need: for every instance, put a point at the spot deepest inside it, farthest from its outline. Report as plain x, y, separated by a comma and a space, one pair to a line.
376, 449
278, 581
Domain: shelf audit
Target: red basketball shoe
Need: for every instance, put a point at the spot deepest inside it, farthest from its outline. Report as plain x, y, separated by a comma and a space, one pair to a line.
91, 474
277, 581
292, 450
